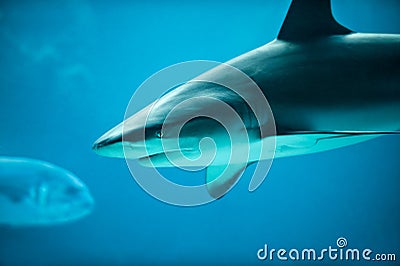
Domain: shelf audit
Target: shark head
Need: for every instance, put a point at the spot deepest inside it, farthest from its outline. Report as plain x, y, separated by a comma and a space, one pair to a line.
182, 128
199, 124
217, 121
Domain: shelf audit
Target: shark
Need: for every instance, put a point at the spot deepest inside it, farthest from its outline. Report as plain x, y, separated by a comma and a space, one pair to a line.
327, 86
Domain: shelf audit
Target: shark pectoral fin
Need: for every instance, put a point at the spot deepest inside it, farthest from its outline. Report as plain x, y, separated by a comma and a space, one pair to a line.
221, 178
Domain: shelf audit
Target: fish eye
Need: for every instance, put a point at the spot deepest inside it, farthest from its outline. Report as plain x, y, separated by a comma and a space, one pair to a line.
159, 134
71, 191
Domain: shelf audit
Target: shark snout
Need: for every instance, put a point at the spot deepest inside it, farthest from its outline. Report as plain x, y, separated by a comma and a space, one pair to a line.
103, 142
110, 143
122, 142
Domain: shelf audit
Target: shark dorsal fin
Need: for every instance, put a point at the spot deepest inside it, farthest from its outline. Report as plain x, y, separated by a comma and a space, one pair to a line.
308, 19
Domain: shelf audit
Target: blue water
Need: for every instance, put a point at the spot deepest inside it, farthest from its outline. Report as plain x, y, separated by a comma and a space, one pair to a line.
68, 70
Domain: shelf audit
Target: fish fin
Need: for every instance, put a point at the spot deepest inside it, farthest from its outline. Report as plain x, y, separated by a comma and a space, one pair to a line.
310, 19
308, 139
255, 181
291, 143
342, 133
42, 194
221, 178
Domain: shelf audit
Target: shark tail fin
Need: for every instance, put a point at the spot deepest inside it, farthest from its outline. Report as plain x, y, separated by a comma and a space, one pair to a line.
308, 19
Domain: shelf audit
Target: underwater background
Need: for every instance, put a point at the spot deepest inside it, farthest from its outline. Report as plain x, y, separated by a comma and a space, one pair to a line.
67, 72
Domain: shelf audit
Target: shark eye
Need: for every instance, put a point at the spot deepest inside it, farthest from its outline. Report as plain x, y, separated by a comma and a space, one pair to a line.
159, 134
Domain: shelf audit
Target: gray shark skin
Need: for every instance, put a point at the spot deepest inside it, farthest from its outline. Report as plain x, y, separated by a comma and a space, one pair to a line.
327, 86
